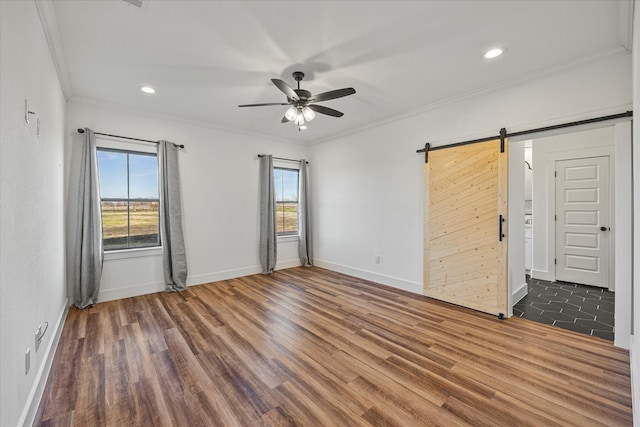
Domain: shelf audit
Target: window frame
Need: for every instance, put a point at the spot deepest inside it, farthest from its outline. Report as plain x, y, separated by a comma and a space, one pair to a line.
129, 248
291, 234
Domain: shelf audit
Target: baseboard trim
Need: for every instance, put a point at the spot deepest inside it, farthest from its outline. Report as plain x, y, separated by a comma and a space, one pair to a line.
288, 264
130, 291
238, 272
33, 403
223, 275
395, 282
634, 362
153, 287
520, 293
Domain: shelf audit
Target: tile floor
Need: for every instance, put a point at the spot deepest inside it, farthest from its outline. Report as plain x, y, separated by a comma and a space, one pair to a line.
580, 308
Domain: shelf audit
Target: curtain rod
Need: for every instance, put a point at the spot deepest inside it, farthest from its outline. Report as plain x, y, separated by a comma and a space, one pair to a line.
127, 137
282, 158
525, 132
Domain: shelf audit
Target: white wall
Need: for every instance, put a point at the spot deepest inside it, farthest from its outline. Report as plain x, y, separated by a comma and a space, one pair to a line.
589, 143
32, 275
219, 172
370, 200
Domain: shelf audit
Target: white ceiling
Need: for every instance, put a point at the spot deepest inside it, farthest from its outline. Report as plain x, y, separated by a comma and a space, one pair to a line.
207, 57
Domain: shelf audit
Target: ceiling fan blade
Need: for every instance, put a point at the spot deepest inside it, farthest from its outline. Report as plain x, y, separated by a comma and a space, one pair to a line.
325, 110
284, 120
286, 89
332, 94
262, 105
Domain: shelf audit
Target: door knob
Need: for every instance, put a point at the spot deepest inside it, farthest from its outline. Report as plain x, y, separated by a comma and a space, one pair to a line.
603, 228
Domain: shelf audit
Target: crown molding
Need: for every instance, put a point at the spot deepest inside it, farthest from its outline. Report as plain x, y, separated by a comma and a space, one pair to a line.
52, 34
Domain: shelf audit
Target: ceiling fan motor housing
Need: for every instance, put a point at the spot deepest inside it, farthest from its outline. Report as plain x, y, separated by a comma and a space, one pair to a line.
302, 94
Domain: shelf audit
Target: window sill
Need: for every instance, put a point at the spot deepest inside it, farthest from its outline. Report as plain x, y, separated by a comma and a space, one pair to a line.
291, 238
132, 253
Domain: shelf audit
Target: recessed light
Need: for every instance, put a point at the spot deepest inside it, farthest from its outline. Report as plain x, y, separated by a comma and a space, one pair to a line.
303, 127
493, 53
147, 89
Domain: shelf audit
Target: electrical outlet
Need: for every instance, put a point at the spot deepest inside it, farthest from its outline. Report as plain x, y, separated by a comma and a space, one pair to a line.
38, 337
376, 259
27, 361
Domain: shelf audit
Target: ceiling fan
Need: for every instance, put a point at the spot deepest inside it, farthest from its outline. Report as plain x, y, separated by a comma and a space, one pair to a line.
302, 103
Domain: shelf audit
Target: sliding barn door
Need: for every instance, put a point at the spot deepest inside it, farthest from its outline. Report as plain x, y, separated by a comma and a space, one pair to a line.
465, 258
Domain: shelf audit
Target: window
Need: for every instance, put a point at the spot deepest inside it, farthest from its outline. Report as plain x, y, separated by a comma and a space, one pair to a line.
129, 199
286, 187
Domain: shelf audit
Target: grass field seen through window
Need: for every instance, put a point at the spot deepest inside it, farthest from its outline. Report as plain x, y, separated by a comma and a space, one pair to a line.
143, 225
286, 218
140, 222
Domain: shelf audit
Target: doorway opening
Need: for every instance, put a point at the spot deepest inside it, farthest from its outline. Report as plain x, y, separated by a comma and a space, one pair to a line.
570, 211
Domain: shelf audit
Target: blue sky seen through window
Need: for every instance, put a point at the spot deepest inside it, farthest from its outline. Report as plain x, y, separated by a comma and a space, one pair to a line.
143, 175
286, 184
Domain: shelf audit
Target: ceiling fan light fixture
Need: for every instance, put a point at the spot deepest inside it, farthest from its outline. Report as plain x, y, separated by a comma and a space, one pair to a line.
308, 114
291, 113
301, 104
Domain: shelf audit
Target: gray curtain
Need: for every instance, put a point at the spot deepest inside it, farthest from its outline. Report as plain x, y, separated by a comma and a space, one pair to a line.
88, 254
174, 256
305, 242
268, 238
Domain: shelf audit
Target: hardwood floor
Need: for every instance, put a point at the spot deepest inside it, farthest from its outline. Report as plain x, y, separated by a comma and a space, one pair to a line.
310, 347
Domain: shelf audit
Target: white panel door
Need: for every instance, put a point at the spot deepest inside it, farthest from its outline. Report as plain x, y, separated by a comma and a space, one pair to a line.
583, 221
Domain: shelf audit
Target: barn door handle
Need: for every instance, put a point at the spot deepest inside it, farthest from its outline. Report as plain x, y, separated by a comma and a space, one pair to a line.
500, 222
